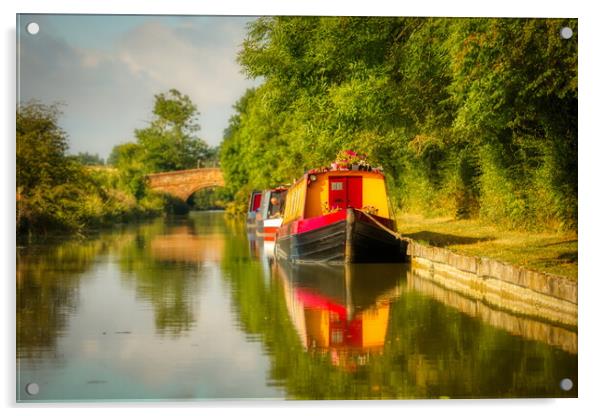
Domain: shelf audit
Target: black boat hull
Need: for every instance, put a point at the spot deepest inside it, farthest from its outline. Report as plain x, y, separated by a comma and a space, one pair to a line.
352, 240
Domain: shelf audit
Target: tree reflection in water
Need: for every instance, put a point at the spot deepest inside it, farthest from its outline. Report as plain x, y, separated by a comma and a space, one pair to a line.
354, 332
165, 265
48, 279
360, 332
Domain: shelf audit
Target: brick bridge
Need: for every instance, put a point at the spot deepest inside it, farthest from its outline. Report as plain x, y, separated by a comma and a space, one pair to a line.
183, 183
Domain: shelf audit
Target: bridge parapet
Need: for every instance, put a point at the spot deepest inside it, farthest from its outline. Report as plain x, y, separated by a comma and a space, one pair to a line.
183, 183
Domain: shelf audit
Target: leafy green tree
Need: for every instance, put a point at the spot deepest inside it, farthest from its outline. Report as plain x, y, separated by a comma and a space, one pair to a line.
56, 192
49, 184
128, 159
170, 142
469, 117
211, 198
89, 159
41, 146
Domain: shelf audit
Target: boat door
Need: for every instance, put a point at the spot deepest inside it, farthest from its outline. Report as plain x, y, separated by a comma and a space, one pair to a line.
344, 192
255, 201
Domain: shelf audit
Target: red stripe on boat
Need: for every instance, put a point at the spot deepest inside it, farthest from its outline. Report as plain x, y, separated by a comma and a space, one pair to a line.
269, 233
310, 224
320, 222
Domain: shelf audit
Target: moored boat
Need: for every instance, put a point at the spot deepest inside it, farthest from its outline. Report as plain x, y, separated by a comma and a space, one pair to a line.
253, 207
339, 215
269, 214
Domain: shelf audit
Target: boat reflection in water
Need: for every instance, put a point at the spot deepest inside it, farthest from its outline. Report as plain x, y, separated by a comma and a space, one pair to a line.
215, 321
255, 251
262, 251
340, 311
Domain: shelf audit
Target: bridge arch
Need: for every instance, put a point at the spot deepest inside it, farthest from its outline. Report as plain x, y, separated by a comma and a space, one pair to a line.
183, 183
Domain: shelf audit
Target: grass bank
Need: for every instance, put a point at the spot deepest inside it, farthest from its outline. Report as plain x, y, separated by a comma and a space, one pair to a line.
546, 252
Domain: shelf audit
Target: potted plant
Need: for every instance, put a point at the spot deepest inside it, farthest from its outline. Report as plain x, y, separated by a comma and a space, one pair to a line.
348, 159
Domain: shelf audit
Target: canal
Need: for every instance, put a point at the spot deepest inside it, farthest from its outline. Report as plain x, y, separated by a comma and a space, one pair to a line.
192, 308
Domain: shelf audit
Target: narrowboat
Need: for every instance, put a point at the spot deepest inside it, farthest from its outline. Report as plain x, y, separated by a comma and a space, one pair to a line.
339, 215
269, 214
254, 203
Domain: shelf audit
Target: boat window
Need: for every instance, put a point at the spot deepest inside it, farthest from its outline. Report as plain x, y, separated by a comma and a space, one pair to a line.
276, 204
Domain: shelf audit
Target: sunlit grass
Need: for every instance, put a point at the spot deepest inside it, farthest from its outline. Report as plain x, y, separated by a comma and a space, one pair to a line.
549, 252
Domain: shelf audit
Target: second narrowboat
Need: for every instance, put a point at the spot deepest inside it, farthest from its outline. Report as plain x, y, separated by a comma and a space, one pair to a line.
269, 214
253, 207
339, 215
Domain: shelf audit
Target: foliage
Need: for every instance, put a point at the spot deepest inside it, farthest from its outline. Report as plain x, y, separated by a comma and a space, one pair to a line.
470, 117
127, 159
72, 193
210, 198
57, 192
169, 142
89, 159
41, 146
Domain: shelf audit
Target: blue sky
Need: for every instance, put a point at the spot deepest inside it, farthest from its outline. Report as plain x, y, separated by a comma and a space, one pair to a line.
106, 69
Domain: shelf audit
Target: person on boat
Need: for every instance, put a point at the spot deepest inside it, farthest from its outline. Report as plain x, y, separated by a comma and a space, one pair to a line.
274, 208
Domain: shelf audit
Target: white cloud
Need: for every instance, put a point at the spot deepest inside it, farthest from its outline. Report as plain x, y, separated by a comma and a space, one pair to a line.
109, 93
206, 71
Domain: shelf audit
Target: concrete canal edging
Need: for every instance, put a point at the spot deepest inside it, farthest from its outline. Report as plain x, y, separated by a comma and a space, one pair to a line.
503, 285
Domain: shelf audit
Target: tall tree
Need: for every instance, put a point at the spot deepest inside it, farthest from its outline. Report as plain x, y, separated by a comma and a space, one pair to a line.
171, 142
89, 159
41, 147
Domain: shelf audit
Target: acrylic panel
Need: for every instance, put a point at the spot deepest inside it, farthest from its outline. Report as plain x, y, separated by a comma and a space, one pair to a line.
177, 239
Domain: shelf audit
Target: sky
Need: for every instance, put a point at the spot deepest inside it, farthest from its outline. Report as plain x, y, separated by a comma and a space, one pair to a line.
105, 70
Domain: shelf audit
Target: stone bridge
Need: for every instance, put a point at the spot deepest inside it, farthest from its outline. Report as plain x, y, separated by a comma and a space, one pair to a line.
183, 183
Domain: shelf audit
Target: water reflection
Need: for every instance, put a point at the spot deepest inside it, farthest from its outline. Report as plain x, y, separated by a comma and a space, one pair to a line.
340, 311
182, 245
165, 265
140, 312
193, 308
534, 327
373, 331
48, 280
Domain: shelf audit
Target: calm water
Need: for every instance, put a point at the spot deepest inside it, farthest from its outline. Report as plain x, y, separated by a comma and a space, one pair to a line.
191, 308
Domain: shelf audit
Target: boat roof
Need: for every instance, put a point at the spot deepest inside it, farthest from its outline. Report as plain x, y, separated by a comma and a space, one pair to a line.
342, 171
278, 188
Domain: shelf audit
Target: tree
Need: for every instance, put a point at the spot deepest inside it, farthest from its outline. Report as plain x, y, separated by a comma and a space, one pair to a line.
56, 192
127, 158
89, 159
469, 117
41, 147
170, 142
